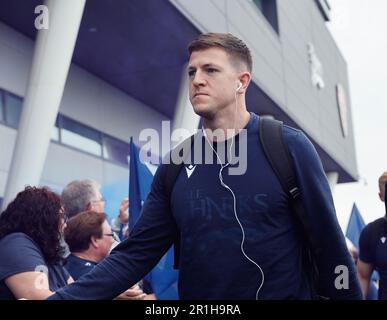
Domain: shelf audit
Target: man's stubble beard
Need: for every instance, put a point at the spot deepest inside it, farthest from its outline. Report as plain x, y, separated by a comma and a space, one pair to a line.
205, 113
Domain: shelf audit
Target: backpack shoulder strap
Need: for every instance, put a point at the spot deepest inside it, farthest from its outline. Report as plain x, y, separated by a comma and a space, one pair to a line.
172, 172
270, 133
277, 153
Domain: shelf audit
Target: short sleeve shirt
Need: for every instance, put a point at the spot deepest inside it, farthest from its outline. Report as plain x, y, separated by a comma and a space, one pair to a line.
373, 250
18, 254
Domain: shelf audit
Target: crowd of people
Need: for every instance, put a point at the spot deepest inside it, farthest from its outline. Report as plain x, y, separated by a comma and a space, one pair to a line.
48, 241
236, 236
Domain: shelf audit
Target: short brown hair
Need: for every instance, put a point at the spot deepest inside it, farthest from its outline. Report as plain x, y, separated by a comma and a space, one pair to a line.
234, 46
81, 228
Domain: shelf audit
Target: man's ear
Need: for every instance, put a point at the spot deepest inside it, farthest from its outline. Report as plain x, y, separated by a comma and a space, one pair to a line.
380, 196
244, 78
94, 242
89, 206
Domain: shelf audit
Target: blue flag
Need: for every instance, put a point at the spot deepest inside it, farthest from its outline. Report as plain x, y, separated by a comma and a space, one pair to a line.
355, 226
114, 193
140, 181
163, 278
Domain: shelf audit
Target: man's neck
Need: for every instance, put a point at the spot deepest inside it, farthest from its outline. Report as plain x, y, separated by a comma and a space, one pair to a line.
230, 123
87, 255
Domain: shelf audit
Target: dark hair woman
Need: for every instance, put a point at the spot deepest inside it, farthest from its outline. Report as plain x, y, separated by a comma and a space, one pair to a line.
30, 251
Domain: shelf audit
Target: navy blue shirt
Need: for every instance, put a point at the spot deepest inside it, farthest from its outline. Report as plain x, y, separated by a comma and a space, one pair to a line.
212, 265
373, 250
77, 266
19, 253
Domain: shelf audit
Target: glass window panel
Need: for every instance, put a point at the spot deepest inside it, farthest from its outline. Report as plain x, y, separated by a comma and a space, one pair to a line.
55, 133
116, 150
258, 3
55, 130
81, 129
13, 109
81, 137
1, 107
269, 10
77, 141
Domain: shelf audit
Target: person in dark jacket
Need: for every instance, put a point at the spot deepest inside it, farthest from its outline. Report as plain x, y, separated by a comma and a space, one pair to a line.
239, 238
373, 249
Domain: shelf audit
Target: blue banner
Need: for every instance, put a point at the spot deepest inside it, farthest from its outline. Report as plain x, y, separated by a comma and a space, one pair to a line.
163, 277
355, 226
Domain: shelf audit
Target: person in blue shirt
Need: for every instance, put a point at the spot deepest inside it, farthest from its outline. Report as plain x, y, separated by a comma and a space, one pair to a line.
31, 264
373, 249
372, 291
90, 239
238, 236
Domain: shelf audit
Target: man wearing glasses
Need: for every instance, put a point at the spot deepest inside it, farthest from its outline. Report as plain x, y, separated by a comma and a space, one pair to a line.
84, 195
90, 239
78, 197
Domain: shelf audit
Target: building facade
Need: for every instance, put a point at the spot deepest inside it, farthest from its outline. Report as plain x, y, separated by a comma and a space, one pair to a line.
128, 73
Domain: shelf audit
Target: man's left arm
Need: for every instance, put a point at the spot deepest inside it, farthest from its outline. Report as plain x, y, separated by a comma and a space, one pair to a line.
337, 273
151, 237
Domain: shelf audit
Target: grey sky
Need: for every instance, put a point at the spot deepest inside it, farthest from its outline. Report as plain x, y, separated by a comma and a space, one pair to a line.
360, 30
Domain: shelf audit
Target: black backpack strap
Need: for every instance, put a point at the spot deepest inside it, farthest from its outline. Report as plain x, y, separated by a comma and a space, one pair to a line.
270, 133
277, 153
172, 172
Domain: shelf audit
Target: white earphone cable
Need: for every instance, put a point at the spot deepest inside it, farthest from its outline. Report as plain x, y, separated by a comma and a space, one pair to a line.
234, 198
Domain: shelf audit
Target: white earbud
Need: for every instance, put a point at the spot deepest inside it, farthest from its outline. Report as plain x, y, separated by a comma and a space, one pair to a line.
239, 86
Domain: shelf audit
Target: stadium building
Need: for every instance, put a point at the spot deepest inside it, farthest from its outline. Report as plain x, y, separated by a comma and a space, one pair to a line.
91, 76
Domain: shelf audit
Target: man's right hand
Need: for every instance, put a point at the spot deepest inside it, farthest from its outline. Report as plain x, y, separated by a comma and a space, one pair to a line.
133, 293
124, 211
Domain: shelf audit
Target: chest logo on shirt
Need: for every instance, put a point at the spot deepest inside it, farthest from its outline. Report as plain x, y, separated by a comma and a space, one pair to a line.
190, 169
383, 239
